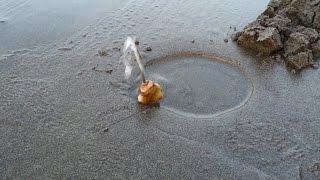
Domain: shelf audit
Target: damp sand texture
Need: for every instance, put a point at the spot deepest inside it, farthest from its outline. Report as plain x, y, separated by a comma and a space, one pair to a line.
66, 114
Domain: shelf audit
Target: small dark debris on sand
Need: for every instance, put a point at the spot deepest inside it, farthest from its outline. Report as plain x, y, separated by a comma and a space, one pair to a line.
148, 48
287, 27
103, 52
64, 49
116, 49
79, 73
108, 71
315, 169
226, 40
106, 130
193, 41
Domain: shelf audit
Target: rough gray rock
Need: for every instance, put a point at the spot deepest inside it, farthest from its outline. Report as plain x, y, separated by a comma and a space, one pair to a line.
311, 34
316, 49
296, 43
316, 22
274, 3
287, 27
280, 22
300, 60
261, 39
270, 11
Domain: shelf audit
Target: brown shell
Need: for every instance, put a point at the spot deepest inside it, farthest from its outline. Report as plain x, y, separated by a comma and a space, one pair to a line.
149, 92
146, 88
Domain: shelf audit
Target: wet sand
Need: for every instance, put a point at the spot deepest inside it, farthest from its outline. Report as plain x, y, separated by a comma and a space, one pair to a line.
64, 116
26, 24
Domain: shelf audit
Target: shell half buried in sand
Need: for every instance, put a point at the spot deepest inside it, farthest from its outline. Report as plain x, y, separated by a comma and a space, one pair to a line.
149, 92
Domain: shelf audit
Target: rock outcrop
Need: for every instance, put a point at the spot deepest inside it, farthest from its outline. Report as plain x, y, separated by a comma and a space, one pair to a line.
289, 28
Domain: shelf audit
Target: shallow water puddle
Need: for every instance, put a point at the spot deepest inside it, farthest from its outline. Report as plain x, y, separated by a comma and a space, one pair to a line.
198, 86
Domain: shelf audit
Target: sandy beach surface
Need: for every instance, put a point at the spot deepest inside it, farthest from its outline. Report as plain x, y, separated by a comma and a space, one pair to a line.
66, 112
26, 24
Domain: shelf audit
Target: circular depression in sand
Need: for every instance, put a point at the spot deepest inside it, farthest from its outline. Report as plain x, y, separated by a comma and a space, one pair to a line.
200, 85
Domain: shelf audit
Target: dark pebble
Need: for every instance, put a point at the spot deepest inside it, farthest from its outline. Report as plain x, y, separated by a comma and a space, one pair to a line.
192, 41
102, 52
226, 40
106, 130
109, 71
116, 49
79, 73
94, 67
148, 49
